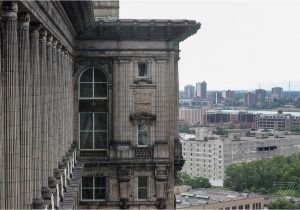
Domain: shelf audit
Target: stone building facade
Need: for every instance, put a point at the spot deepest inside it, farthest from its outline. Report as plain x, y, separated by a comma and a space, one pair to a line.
88, 108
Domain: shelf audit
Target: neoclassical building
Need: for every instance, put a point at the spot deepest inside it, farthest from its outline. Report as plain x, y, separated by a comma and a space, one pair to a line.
88, 106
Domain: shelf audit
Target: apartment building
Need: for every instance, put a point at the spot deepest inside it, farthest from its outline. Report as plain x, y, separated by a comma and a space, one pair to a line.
210, 158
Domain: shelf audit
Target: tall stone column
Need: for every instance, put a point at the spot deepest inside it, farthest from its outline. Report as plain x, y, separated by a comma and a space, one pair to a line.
55, 105
50, 105
2, 189
64, 101
71, 100
36, 111
11, 109
26, 111
44, 109
59, 86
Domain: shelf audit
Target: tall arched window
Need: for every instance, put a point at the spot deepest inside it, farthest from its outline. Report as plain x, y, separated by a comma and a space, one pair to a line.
93, 94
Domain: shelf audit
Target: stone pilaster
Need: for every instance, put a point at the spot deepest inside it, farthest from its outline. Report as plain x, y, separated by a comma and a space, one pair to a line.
50, 104
120, 99
25, 75
160, 100
44, 105
36, 111
55, 105
11, 109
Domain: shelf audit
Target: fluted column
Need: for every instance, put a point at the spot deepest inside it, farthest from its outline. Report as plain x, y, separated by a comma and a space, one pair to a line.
2, 191
44, 109
55, 104
64, 101
26, 111
71, 92
59, 85
50, 105
36, 112
11, 111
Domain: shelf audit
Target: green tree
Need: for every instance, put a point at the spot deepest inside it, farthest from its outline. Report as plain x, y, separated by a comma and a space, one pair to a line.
196, 182
282, 204
260, 176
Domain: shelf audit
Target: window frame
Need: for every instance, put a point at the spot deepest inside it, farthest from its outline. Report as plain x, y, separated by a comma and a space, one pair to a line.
148, 135
94, 188
93, 131
147, 71
93, 84
147, 188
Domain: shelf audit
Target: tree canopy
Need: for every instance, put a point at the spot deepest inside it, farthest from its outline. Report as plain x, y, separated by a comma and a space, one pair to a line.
196, 182
262, 175
282, 204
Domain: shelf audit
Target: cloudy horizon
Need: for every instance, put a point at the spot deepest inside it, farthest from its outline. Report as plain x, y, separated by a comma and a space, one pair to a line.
241, 44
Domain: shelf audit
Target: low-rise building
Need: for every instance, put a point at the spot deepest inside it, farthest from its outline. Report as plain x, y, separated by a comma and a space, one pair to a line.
217, 199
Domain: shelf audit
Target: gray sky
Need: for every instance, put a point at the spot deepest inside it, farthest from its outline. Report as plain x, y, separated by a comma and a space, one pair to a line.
240, 45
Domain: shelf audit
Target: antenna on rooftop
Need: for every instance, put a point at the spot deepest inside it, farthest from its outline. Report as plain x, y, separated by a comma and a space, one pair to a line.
289, 92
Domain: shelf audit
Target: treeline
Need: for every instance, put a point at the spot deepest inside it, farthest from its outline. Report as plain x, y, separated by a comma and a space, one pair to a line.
260, 176
196, 182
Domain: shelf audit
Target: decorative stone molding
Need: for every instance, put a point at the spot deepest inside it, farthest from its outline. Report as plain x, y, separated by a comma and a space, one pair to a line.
124, 175
143, 118
161, 174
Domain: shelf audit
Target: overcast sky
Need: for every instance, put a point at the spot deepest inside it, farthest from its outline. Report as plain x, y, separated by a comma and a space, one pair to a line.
241, 44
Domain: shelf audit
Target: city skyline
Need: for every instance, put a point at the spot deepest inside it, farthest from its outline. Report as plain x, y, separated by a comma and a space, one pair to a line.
240, 89
233, 53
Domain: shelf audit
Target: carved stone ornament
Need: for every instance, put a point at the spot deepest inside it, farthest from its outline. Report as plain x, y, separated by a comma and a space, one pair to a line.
124, 175
143, 118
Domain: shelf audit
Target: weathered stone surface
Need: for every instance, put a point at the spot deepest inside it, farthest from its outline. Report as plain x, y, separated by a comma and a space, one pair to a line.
40, 106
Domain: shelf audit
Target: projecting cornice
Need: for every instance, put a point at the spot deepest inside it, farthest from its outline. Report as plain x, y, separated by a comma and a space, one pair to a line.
132, 29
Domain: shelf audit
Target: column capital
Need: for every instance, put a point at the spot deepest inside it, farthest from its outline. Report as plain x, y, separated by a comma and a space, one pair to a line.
9, 10
49, 39
54, 43
59, 46
35, 29
24, 19
43, 35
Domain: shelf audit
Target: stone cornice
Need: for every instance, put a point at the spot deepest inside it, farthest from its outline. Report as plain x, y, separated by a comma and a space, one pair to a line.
132, 29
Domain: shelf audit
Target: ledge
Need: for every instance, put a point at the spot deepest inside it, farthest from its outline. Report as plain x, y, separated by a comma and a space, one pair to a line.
143, 29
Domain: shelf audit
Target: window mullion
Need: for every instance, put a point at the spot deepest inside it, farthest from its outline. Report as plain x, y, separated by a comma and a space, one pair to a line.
93, 84
93, 130
93, 188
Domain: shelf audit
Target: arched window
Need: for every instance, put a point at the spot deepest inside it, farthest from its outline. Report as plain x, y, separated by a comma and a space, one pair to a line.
93, 84
93, 117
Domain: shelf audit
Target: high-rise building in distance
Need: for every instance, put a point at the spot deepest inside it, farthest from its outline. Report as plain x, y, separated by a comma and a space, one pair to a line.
201, 89
277, 92
189, 91
249, 99
260, 97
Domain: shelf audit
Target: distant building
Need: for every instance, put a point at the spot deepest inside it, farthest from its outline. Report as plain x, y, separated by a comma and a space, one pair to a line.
203, 199
260, 97
277, 121
249, 99
216, 97
201, 89
189, 91
181, 94
192, 116
210, 158
277, 92
229, 95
